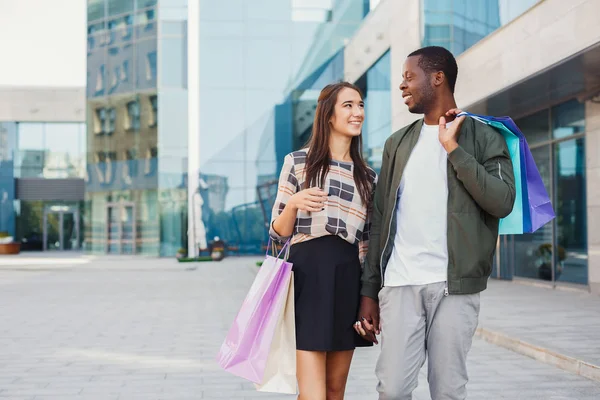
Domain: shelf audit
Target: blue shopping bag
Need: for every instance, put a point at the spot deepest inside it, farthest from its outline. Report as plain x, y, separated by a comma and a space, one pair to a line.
532, 208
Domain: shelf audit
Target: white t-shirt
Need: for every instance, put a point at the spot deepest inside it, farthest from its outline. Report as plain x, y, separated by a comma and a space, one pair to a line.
420, 253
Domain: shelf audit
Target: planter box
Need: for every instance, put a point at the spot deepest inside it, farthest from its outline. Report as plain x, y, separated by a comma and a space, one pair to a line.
10, 248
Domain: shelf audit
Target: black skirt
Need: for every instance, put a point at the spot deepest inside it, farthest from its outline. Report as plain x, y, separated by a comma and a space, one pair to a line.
327, 294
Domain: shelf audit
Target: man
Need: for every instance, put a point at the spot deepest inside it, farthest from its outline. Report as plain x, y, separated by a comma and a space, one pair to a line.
442, 189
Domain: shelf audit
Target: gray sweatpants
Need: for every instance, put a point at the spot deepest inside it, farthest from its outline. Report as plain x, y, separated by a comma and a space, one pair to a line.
420, 320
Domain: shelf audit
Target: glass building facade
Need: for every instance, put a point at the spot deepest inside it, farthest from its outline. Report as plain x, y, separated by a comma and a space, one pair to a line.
458, 25
376, 86
262, 66
136, 126
257, 103
558, 251
30, 151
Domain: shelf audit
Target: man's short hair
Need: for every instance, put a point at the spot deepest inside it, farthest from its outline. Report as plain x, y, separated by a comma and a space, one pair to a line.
435, 59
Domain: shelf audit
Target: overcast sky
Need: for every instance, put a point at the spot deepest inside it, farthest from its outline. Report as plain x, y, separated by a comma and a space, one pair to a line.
43, 42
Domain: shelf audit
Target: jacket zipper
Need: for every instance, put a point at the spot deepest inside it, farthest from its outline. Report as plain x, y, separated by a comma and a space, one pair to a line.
388, 236
500, 171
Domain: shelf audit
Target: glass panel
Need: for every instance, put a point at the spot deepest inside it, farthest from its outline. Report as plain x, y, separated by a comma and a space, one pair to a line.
145, 3
31, 156
571, 212
53, 231
114, 235
65, 152
30, 228
127, 223
95, 9
458, 25
69, 234
146, 67
147, 222
8, 148
536, 127
530, 251
116, 7
173, 221
174, 62
568, 119
378, 110
269, 77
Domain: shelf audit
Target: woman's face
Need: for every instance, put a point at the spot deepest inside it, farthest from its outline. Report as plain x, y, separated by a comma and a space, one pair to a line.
348, 113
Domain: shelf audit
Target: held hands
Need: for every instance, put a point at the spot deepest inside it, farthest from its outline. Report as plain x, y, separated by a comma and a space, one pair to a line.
368, 325
449, 136
312, 199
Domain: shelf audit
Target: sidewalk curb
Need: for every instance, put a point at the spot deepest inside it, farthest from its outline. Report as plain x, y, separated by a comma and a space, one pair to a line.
561, 361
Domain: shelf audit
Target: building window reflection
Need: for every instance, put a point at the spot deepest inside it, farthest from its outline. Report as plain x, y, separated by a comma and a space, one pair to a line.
153, 119
376, 86
557, 251
458, 25
151, 66
132, 122
50, 150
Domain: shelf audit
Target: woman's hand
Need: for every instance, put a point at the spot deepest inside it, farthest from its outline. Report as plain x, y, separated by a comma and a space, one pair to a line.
312, 200
368, 324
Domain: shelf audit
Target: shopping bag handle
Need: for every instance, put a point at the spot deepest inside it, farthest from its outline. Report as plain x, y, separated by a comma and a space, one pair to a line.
271, 246
479, 118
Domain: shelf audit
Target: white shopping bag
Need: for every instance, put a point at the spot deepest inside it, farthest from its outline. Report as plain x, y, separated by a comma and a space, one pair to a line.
280, 373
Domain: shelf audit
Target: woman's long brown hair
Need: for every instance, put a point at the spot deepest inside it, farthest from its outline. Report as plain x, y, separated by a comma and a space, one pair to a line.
319, 155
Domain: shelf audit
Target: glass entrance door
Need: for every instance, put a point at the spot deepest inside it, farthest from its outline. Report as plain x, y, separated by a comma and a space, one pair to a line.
61, 228
121, 228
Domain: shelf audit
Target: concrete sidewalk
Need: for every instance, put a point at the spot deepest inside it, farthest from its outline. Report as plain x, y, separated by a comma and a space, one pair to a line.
559, 327
126, 328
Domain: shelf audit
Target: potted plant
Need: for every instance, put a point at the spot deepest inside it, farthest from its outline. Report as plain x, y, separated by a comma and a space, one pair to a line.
8, 245
181, 253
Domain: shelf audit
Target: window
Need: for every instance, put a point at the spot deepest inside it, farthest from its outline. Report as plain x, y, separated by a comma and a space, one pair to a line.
145, 3
100, 80
104, 121
99, 119
125, 71
154, 114
132, 122
112, 116
557, 142
151, 65
131, 163
116, 7
568, 119
114, 79
145, 18
121, 28
95, 9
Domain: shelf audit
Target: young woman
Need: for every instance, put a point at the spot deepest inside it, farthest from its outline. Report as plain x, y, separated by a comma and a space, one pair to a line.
323, 203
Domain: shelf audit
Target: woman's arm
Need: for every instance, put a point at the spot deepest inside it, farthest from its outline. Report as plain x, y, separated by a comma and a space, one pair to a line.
289, 200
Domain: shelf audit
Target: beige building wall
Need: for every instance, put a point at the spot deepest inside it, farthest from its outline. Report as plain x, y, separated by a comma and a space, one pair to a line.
45, 104
592, 150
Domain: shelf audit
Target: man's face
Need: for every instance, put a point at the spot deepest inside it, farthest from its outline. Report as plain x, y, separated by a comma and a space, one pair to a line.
417, 88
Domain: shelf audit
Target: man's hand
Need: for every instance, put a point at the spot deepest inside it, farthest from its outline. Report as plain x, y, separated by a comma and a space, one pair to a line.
367, 324
449, 136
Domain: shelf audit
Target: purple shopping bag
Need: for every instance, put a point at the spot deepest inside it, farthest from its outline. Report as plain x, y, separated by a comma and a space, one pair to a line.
537, 207
246, 348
